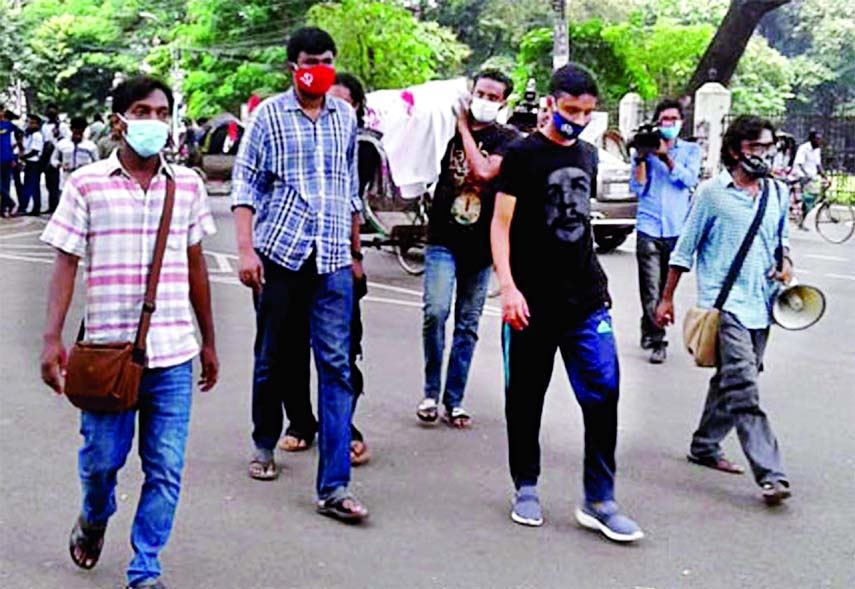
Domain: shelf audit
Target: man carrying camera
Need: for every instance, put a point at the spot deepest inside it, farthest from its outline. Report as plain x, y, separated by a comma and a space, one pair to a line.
665, 171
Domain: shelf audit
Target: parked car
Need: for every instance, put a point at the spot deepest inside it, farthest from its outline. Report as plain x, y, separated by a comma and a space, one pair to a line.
613, 211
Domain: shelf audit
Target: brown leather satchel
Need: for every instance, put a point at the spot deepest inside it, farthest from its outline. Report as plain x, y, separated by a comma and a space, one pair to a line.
106, 377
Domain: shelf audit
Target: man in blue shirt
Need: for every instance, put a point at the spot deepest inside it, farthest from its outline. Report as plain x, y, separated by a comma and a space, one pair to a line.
721, 215
296, 173
663, 180
8, 131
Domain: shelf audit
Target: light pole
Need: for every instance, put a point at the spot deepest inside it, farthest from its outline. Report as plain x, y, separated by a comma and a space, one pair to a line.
176, 76
560, 40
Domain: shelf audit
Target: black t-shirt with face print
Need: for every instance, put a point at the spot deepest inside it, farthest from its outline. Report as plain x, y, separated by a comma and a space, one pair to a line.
462, 206
552, 247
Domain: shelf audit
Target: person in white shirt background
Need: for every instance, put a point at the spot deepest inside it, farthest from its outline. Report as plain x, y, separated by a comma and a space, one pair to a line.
807, 166
29, 154
75, 152
53, 131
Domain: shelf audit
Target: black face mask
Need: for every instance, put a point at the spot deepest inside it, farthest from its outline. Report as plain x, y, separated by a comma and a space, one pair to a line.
754, 165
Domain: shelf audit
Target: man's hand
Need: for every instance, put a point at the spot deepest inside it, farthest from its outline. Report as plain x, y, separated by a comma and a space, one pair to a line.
250, 270
514, 308
53, 363
665, 313
358, 271
785, 274
462, 113
210, 368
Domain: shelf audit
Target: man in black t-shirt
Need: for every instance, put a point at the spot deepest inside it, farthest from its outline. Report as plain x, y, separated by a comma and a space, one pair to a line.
542, 220
458, 249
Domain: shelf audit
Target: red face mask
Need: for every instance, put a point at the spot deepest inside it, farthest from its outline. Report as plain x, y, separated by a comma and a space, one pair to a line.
315, 80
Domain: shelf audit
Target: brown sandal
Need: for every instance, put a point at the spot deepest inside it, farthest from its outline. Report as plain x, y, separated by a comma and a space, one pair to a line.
291, 443
722, 464
359, 453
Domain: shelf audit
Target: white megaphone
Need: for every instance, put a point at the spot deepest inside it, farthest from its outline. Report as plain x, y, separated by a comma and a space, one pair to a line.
798, 306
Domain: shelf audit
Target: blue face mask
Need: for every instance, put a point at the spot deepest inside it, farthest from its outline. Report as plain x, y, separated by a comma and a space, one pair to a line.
147, 137
670, 133
566, 128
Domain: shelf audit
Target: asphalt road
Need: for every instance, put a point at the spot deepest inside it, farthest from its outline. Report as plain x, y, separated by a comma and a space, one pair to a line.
440, 498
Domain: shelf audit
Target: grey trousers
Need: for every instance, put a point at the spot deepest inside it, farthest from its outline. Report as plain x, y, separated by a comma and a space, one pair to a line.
733, 400
653, 255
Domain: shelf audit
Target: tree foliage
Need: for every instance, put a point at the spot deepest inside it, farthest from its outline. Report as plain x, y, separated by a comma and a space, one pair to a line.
384, 45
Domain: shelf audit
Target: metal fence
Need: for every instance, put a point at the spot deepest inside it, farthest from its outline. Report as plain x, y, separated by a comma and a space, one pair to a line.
838, 155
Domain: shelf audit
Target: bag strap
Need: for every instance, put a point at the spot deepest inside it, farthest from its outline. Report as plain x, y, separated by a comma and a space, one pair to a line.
149, 307
736, 265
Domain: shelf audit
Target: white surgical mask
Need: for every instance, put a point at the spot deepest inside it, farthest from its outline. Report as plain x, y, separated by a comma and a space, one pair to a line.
484, 111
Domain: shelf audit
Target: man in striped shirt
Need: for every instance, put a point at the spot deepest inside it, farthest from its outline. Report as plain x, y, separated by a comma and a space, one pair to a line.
296, 173
108, 216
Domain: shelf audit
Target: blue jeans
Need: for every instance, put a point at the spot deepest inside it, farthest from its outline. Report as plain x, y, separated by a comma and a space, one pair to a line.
164, 419
280, 341
31, 189
591, 361
441, 273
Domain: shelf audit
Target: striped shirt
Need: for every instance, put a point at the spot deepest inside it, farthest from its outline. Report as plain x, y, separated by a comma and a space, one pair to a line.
105, 218
300, 178
717, 223
71, 156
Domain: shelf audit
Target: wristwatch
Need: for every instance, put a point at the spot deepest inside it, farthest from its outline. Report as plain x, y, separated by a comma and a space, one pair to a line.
356, 255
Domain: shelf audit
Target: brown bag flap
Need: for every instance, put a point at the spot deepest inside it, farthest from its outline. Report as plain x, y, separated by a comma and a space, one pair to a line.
95, 368
700, 335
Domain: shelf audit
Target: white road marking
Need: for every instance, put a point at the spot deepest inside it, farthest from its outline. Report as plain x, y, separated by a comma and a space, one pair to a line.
222, 261
20, 234
26, 258
841, 276
827, 258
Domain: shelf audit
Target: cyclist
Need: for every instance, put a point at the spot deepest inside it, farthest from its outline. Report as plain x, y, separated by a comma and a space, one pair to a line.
808, 169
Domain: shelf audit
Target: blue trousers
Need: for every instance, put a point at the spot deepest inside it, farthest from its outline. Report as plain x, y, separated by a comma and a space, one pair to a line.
442, 278
290, 303
164, 420
590, 358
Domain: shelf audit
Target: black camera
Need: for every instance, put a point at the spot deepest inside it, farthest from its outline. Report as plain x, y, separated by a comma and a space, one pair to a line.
646, 138
524, 115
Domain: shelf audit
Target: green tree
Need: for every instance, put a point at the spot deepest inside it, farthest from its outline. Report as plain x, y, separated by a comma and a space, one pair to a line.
385, 45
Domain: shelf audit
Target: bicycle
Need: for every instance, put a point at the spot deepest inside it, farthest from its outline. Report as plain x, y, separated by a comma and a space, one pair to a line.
400, 224
835, 217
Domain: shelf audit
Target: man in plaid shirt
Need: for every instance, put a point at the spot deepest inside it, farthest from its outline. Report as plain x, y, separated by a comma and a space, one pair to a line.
108, 216
296, 173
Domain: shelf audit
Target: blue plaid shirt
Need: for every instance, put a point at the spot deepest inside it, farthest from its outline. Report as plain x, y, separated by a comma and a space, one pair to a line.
300, 179
717, 223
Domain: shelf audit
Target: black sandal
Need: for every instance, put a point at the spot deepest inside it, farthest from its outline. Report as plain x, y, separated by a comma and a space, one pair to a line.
335, 507
85, 543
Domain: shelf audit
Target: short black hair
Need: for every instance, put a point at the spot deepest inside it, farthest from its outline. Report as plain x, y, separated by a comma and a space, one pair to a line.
743, 128
309, 40
52, 105
496, 76
78, 124
813, 135
34, 117
357, 93
668, 104
137, 88
573, 79
10, 115
98, 117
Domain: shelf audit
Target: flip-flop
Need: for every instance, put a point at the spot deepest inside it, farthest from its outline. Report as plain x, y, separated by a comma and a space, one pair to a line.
722, 464
345, 508
291, 443
85, 544
457, 418
427, 411
359, 453
262, 467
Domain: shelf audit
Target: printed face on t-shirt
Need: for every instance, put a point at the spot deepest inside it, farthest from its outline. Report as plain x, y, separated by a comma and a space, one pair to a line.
568, 203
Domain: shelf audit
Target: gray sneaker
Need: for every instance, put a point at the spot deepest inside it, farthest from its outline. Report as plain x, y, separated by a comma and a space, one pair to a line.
526, 509
607, 518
